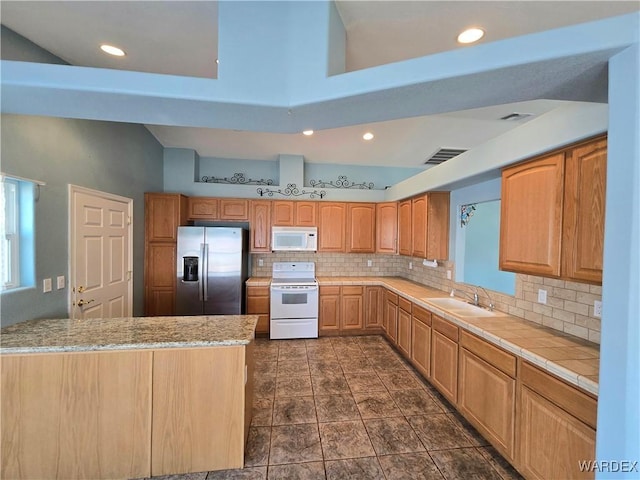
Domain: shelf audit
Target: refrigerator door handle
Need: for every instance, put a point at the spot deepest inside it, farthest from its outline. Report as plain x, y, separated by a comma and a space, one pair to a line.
205, 271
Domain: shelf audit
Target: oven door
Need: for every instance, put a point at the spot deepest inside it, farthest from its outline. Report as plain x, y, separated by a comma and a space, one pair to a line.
291, 301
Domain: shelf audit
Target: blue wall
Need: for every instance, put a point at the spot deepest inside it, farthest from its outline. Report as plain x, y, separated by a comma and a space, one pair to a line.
618, 436
119, 158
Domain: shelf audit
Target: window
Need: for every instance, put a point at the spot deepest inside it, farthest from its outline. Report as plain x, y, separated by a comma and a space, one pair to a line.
16, 240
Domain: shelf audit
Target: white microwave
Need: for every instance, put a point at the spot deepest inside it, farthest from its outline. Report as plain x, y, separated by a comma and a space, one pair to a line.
294, 238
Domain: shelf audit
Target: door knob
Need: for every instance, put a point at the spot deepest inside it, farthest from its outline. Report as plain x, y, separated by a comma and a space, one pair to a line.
82, 302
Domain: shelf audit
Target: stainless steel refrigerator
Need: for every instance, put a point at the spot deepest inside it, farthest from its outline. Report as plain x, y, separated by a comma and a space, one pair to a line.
212, 270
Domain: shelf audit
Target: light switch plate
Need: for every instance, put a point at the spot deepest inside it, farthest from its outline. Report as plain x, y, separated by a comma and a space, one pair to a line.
542, 296
369, 263
410, 265
46, 285
260, 262
60, 282
448, 274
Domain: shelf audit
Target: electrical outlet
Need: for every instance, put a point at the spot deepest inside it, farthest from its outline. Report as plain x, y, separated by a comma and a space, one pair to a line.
410, 265
261, 262
46, 285
597, 308
448, 274
542, 296
369, 263
60, 282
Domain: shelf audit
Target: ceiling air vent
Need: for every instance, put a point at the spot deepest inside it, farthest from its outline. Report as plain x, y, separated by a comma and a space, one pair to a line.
516, 116
443, 155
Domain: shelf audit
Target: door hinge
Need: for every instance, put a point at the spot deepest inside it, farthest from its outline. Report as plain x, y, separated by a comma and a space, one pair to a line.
128, 219
129, 275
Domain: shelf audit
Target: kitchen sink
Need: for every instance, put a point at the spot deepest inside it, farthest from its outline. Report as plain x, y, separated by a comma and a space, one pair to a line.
461, 308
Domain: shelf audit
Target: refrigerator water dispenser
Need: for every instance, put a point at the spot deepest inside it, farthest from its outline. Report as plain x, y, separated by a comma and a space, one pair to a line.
190, 270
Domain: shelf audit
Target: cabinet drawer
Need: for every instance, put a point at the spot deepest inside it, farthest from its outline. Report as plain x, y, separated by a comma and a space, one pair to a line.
447, 329
352, 290
578, 404
330, 290
391, 297
258, 291
421, 314
404, 304
491, 354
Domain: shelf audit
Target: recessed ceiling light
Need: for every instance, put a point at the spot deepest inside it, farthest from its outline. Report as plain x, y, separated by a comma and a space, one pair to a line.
308, 133
471, 35
111, 50
367, 136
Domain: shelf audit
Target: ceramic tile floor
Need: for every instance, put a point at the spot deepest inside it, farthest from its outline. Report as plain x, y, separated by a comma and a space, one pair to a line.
351, 407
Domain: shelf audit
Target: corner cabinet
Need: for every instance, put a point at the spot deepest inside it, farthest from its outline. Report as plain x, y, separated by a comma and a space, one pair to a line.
552, 214
164, 213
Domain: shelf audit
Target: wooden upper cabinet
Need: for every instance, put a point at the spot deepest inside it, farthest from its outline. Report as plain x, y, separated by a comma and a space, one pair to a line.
233, 209
584, 202
283, 213
164, 213
531, 216
203, 208
260, 225
305, 214
419, 226
552, 217
331, 226
438, 225
404, 228
209, 208
288, 213
361, 227
387, 227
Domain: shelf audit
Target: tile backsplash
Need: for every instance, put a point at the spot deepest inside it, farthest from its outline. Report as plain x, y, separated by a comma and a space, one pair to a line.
569, 306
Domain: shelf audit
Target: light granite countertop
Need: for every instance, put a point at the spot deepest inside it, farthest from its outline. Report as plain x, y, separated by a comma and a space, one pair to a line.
131, 333
570, 358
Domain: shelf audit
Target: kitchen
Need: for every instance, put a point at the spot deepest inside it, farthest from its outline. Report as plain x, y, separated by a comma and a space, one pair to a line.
136, 179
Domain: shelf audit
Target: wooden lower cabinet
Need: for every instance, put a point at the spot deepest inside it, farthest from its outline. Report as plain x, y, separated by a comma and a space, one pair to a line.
352, 306
373, 308
76, 415
486, 394
391, 316
444, 358
556, 426
329, 310
421, 340
199, 409
404, 326
258, 303
342, 310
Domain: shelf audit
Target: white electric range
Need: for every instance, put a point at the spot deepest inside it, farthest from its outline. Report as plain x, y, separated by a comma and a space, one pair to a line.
294, 301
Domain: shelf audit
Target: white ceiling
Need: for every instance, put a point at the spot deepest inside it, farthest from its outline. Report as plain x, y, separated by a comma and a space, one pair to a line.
180, 38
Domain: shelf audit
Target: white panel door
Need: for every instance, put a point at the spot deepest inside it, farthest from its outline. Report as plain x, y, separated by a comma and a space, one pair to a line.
100, 254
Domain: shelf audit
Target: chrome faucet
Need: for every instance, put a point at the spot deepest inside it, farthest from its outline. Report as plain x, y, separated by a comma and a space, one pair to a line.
490, 306
474, 298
